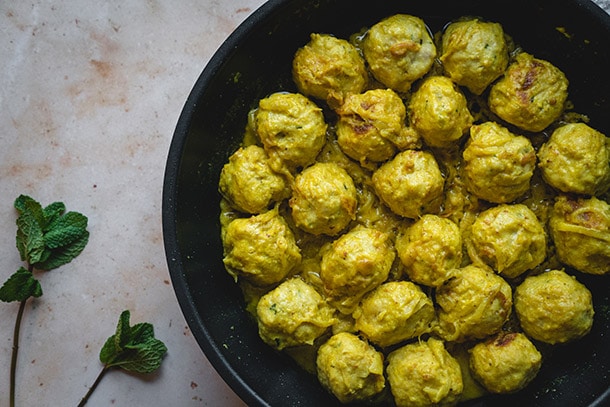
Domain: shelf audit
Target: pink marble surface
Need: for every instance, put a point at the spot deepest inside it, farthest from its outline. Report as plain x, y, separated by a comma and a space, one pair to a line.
90, 95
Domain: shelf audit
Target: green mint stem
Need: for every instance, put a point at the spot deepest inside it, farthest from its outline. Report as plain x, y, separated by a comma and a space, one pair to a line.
92, 388
15, 351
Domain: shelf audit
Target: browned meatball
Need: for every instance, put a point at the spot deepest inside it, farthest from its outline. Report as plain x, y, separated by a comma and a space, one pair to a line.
371, 125
329, 68
498, 165
508, 238
411, 184
531, 94
356, 263
350, 368
439, 113
576, 158
553, 307
399, 50
324, 199
474, 303
505, 363
430, 249
424, 374
291, 128
580, 229
474, 53
248, 182
260, 249
293, 314
393, 312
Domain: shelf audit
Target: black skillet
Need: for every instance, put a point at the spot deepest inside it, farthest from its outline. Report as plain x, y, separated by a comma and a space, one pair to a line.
254, 62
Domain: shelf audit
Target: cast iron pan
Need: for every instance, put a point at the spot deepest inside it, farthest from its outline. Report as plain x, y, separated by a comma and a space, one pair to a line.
256, 61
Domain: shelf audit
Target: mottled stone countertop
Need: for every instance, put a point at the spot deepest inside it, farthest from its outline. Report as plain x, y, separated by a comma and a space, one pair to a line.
90, 96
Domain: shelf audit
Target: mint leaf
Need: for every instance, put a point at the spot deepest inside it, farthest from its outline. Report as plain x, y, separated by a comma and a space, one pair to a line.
65, 230
143, 358
63, 255
133, 348
47, 238
30, 240
20, 286
52, 212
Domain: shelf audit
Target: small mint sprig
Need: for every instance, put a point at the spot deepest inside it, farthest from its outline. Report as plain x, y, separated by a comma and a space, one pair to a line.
131, 348
46, 238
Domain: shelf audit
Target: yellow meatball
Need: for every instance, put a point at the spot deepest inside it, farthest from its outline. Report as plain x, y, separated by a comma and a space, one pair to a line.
324, 199
399, 50
329, 68
410, 184
474, 303
393, 312
576, 158
554, 307
505, 363
424, 374
580, 229
370, 124
291, 128
248, 182
508, 238
430, 249
531, 94
293, 314
350, 368
498, 165
261, 249
438, 111
474, 53
356, 263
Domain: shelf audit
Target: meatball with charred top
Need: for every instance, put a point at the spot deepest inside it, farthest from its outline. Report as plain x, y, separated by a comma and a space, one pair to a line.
531, 94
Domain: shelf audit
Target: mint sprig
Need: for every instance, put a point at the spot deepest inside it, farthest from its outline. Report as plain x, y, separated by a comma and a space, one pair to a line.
131, 348
20, 286
46, 238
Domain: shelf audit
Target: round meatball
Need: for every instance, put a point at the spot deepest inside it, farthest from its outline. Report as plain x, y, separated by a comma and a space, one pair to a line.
329, 68
438, 111
410, 184
248, 182
369, 125
576, 158
393, 312
293, 314
474, 53
508, 238
260, 249
531, 94
554, 307
580, 229
350, 368
498, 165
291, 128
323, 199
505, 363
474, 303
430, 249
423, 374
399, 50
356, 263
